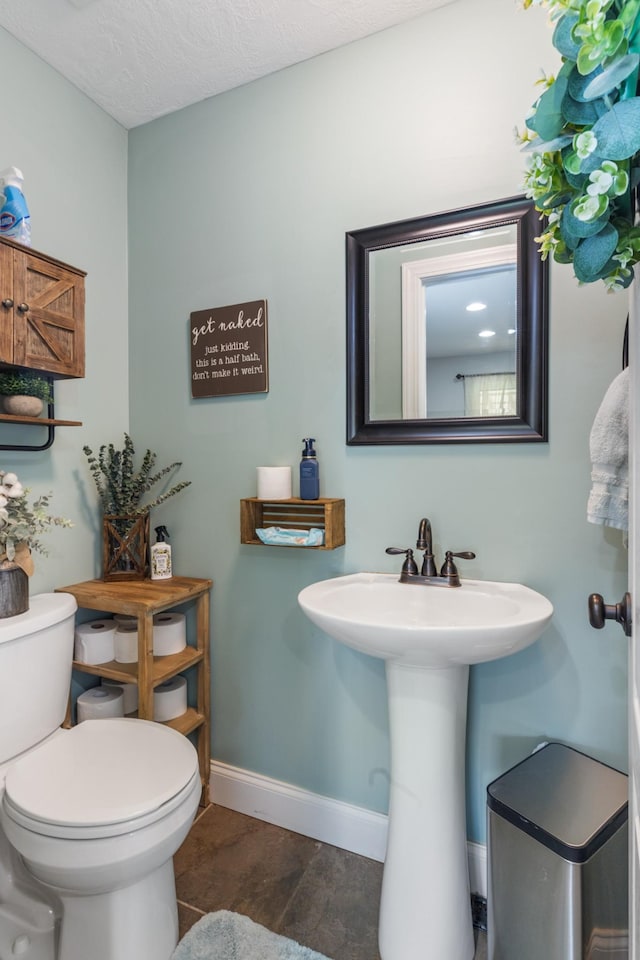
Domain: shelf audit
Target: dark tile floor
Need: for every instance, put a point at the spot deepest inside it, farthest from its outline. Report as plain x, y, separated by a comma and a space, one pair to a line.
316, 894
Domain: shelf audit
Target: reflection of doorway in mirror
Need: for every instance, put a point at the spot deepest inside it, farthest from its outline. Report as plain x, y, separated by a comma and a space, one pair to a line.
458, 319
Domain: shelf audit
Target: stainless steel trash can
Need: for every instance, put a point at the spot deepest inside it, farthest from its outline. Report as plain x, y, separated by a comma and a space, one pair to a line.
557, 859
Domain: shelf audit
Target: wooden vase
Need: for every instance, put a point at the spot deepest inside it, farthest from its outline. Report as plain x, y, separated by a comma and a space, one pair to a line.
125, 543
14, 590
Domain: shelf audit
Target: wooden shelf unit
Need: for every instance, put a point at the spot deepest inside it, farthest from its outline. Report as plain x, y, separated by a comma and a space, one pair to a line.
143, 599
326, 513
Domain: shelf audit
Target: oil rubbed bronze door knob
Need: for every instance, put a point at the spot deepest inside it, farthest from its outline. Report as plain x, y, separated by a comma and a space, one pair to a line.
7, 303
23, 308
599, 611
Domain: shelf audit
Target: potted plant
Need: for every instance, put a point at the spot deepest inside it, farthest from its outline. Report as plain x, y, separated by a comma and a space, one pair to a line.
121, 490
21, 525
24, 393
583, 137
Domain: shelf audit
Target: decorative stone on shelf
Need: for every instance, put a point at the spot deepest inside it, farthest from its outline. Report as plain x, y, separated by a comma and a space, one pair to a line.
22, 406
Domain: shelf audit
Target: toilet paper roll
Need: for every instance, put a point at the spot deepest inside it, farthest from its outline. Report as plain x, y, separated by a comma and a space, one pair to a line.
170, 699
125, 642
94, 641
129, 693
124, 618
274, 483
100, 702
169, 633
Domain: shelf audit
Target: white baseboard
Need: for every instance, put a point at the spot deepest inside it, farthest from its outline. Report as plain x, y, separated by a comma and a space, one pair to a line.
331, 821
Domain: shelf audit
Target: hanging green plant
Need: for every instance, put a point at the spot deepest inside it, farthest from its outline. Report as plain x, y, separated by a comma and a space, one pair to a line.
583, 140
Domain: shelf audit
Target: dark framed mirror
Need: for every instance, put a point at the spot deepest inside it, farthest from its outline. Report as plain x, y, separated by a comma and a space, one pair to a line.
447, 321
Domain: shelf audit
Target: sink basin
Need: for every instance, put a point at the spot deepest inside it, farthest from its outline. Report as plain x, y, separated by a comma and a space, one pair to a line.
428, 626
428, 637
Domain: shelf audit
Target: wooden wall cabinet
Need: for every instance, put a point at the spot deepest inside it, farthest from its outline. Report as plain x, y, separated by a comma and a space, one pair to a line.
41, 312
143, 599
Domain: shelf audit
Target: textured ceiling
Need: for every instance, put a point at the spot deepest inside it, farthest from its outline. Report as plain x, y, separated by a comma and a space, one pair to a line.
140, 59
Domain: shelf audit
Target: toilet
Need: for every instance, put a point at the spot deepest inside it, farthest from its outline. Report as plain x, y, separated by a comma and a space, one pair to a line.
89, 817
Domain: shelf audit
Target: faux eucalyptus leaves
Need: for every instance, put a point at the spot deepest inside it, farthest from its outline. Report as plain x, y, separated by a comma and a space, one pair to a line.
120, 486
583, 137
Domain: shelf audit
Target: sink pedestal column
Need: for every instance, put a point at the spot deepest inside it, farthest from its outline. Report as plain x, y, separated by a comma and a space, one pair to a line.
425, 909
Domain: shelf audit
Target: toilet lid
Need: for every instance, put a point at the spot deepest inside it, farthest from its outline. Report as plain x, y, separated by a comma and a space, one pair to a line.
102, 772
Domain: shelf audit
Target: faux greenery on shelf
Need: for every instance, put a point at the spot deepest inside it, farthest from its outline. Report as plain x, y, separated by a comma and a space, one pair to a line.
584, 139
25, 384
22, 523
120, 487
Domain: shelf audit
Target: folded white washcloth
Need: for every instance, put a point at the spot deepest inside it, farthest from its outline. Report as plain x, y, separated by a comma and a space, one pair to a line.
609, 445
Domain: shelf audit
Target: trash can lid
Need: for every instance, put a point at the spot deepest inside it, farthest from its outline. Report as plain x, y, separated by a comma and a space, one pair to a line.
566, 800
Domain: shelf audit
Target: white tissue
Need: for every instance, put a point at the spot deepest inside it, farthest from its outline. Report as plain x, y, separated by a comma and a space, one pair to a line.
274, 483
129, 693
100, 702
94, 641
169, 634
126, 643
170, 699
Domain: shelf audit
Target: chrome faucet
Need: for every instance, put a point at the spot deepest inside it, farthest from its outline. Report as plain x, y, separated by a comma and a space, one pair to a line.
429, 576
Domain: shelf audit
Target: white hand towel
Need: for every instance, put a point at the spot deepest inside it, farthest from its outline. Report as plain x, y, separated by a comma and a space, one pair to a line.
609, 445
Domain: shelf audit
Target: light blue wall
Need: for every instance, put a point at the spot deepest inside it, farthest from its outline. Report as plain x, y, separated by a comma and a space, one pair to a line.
74, 159
248, 196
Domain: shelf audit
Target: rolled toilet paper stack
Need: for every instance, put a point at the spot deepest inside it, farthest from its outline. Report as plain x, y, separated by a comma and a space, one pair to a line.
129, 693
94, 641
125, 641
274, 483
170, 699
100, 702
169, 633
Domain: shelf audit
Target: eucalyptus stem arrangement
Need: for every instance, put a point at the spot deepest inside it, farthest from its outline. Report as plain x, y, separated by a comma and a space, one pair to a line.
120, 486
583, 140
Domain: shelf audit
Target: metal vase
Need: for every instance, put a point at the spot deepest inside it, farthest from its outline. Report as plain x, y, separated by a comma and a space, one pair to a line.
14, 590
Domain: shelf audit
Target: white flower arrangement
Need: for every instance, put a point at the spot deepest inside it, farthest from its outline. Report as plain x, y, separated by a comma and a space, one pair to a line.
22, 523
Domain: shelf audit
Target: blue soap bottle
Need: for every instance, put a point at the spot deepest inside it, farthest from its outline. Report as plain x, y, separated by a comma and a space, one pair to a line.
309, 472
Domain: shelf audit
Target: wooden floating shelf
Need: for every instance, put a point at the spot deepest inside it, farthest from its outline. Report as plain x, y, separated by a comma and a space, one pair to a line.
41, 421
296, 514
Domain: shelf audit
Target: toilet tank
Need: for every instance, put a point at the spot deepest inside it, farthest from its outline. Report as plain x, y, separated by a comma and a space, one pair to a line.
36, 652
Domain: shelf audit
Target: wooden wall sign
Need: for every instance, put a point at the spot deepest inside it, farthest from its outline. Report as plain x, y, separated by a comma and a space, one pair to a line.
229, 352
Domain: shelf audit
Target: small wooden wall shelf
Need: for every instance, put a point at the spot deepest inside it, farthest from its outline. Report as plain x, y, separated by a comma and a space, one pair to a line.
36, 421
326, 513
143, 599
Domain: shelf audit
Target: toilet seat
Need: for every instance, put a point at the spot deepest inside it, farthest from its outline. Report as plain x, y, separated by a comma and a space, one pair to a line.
102, 778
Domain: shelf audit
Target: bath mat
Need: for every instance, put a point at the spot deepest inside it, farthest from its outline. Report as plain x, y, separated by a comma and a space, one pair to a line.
231, 936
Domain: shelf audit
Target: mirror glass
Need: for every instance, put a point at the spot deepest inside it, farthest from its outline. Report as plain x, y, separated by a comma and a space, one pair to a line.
447, 327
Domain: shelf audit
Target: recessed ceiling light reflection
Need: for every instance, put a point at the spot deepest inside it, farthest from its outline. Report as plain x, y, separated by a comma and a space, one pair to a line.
512, 330
476, 305
487, 333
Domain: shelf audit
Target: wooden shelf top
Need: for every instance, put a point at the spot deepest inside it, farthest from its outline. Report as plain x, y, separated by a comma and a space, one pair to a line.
39, 421
295, 500
136, 597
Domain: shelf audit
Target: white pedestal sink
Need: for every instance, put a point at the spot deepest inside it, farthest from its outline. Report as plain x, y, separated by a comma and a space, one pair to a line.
428, 636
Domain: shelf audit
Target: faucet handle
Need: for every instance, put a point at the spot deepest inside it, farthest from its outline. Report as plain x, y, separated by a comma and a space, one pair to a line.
409, 566
449, 568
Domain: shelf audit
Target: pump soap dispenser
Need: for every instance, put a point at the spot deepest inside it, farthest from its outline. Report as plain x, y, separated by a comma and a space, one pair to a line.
161, 556
309, 472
